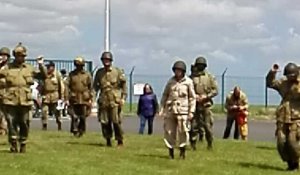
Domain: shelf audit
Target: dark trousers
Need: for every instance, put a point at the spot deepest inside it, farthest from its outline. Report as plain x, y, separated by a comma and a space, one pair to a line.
143, 121
78, 118
17, 118
230, 120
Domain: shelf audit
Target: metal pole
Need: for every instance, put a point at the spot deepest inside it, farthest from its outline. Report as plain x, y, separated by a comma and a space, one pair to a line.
223, 88
266, 96
130, 88
107, 25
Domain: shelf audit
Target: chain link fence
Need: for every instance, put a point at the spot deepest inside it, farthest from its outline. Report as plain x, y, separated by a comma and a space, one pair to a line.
254, 87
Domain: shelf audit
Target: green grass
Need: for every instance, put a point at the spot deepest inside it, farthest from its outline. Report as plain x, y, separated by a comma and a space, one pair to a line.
59, 153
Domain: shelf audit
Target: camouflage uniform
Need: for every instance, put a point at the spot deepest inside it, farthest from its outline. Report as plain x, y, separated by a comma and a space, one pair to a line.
205, 85
79, 93
111, 82
18, 99
287, 115
199, 128
178, 101
241, 128
5, 52
52, 91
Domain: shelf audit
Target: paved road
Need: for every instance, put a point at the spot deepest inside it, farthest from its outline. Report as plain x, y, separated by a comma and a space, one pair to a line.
258, 130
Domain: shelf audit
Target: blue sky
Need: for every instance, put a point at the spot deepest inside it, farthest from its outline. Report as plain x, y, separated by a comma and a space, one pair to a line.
245, 36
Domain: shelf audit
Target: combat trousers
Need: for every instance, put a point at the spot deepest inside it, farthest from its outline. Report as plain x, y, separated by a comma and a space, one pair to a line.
230, 120
78, 118
3, 123
110, 119
288, 142
50, 108
17, 118
172, 124
202, 118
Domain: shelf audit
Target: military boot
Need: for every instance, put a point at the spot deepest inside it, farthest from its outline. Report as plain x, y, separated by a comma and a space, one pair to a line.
290, 166
293, 166
200, 137
193, 145
297, 165
59, 126
23, 148
44, 127
108, 143
80, 134
120, 143
75, 133
209, 146
14, 147
182, 153
171, 153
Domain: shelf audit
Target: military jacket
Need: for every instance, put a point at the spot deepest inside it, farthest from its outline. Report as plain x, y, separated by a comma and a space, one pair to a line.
78, 87
18, 79
2, 86
112, 86
205, 84
289, 109
179, 96
52, 86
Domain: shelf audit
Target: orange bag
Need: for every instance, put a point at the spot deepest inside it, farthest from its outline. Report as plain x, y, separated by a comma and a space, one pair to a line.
241, 117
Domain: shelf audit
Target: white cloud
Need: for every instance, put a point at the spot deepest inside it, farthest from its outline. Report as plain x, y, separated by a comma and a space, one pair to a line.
293, 33
221, 55
251, 41
272, 49
153, 33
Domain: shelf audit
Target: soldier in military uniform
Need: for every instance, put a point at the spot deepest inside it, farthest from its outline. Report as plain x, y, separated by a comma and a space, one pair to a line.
4, 58
18, 99
201, 131
206, 88
111, 83
177, 107
236, 105
64, 76
79, 96
287, 113
52, 92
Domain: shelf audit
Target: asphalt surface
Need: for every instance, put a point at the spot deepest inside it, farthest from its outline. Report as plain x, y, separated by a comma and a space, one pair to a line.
258, 130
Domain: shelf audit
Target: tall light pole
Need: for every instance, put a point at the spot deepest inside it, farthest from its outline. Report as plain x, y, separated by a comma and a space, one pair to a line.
107, 25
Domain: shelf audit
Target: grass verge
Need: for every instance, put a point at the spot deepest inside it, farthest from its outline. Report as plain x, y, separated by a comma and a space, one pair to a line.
59, 153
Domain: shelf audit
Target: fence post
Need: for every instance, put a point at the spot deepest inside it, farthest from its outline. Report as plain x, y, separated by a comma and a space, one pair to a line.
266, 95
223, 88
130, 88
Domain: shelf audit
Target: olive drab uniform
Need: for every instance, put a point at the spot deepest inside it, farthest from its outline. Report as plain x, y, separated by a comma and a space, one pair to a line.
287, 118
177, 102
204, 84
79, 93
52, 92
112, 86
4, 57
234, 115
18, 99
3, 123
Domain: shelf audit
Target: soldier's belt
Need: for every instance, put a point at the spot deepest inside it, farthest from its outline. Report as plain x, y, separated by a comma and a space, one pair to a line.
51, 91
295, 120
